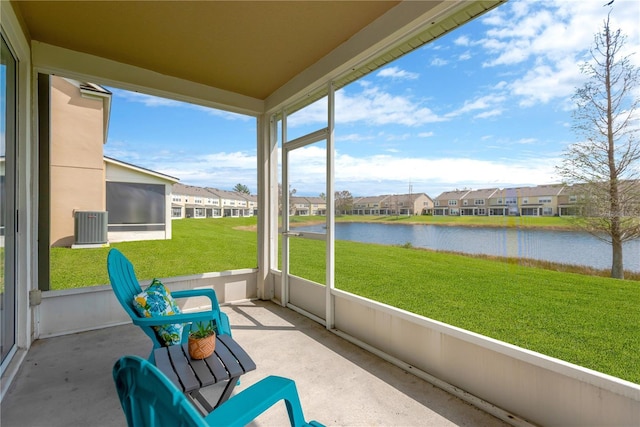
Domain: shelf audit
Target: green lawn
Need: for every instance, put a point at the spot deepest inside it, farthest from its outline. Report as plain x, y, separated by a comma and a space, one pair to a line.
197, 246
587, 320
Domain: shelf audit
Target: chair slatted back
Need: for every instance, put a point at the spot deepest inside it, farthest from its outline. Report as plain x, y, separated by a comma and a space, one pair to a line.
148, 398
125, 285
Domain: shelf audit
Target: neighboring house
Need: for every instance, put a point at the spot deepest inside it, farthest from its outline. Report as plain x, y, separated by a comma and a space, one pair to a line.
305, 206
370, 205
298, 206
413, 204
541, 200
234, 204
252, 203
498, 205
406, 204
505, 202
574, 198
476, 202
449, 202
78, 131
568, 200
393, 204
190, 201
317, 205
136, 200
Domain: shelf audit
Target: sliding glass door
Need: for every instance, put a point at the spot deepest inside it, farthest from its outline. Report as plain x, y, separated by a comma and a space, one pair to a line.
8, 104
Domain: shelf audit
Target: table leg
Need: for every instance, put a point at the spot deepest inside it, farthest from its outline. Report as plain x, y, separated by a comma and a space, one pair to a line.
196, 395
228, 389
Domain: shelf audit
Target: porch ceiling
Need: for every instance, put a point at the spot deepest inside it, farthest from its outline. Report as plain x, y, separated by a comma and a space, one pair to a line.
250, 48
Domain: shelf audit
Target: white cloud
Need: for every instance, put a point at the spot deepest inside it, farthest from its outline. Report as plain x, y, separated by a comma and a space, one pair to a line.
354, 137
425, 134
546, 82
220, 170
439, 62
489, 113
553, 37
462, 41
371, 106
392, 173
155, 101
147, 100
488, 103
397, 73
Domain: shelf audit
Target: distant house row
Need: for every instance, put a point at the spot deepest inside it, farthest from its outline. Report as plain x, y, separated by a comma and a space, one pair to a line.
393, 204
390, 204
541, 200
188, 201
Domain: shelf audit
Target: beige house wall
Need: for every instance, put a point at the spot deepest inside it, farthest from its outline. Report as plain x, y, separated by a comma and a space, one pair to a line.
77, 166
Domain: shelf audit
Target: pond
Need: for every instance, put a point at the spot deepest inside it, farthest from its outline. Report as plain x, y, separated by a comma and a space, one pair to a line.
565, 247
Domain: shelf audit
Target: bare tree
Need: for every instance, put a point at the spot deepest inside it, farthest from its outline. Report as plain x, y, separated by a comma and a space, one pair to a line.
344, 202
605, 165
292, 203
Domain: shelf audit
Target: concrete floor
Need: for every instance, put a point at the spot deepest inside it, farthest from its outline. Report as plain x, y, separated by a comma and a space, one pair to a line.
66, 381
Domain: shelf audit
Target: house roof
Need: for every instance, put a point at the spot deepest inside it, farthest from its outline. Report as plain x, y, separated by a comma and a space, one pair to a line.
140, 169
245, 56
369, 199
453, 195
483, 193
316, 200
191, 190
538, 190
408, 197
228, 195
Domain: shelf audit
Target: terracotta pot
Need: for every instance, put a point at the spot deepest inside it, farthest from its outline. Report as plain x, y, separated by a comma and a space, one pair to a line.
201, 348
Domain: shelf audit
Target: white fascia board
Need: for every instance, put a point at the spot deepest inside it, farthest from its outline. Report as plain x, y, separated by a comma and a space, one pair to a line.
399, 31
55, 60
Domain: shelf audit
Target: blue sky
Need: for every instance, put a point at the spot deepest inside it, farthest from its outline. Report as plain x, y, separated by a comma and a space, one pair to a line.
488, 105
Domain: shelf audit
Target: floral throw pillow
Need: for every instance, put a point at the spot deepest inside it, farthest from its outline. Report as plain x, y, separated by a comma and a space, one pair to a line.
156, 300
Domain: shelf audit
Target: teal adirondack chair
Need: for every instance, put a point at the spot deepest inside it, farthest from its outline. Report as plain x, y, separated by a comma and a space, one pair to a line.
125, 285
149, 398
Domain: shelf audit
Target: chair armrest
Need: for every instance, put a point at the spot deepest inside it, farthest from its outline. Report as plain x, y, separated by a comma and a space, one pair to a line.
198, 316
224, 327
222, 321
243, 408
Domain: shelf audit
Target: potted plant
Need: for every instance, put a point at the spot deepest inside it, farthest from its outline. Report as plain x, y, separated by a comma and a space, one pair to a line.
202, 340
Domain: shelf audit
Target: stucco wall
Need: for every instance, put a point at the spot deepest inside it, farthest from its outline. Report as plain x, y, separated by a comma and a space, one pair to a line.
77, 166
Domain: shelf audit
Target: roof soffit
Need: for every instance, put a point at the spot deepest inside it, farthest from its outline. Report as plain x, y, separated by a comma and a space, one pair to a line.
250, 48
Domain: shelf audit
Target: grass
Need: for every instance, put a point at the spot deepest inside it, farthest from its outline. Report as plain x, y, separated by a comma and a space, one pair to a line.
587, 320
197, 246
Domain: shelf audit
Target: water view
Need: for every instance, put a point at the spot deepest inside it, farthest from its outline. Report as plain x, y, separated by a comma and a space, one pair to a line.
566, 247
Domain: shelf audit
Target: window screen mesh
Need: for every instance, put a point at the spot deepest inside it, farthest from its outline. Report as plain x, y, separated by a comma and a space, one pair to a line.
139, 204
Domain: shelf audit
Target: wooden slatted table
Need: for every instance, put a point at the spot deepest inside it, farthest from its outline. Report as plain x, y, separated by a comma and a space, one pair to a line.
227, 363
